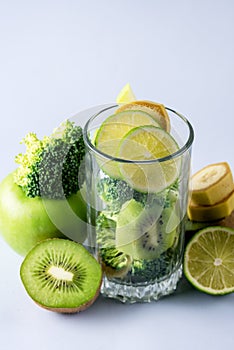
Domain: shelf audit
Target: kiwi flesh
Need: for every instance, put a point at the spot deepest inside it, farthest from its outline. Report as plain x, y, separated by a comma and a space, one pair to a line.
145, 233
61, 275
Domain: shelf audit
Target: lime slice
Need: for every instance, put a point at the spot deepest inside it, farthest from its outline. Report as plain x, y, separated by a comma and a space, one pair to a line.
112, 131
209, 260
126, 95
149, 143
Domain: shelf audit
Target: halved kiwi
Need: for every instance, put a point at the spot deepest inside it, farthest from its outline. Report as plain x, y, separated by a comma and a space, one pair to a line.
61, 275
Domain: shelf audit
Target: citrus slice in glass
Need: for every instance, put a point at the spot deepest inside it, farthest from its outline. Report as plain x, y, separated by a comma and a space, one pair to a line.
156, 110
209, 260
126, 95
151, 166
112, 131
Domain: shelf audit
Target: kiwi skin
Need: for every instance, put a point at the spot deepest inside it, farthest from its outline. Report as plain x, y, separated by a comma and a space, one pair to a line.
67, 309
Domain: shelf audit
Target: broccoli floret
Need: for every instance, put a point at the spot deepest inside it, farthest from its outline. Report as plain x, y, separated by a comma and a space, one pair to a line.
105, 230
114, 192
114, 262
146, 270
51, 167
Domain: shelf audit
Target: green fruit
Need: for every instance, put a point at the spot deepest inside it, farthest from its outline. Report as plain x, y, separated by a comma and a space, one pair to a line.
209, 262
61, 275
151, 166
112, 131
26, 221
145, 233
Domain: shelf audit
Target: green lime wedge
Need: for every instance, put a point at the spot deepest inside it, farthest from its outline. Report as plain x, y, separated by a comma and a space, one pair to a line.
155, 147
209, 260
112, 131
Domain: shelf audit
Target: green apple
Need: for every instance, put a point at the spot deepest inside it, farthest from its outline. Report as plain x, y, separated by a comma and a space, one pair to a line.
25, 221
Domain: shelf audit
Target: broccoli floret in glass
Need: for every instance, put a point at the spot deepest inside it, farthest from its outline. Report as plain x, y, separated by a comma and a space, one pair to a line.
114, 262
114, 192
51, 167
105, 230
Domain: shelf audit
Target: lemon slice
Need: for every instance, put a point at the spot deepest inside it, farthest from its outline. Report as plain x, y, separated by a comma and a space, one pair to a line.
126, 95
149, 143
209, 260
111, 132
156, 110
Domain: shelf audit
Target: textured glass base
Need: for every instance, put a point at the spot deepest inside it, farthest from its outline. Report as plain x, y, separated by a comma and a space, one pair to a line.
141, 293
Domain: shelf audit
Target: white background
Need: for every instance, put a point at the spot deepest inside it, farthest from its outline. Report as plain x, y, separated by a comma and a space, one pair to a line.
60, 57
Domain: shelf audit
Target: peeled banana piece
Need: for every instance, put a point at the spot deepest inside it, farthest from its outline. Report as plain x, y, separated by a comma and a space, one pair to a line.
212, 184
211, 212
212, 193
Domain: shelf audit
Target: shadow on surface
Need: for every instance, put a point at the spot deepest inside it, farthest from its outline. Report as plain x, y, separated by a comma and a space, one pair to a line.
185, 297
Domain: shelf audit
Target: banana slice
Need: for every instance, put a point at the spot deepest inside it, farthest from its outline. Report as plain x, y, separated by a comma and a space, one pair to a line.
212, 184
214, 212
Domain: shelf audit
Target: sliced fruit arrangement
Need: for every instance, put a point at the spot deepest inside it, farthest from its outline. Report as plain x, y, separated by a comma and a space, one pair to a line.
209, 260
134, 244
137, 240
148, 143
156, 110
137, 232
61, 275
111, 133
212, 195
129, 135
117, 125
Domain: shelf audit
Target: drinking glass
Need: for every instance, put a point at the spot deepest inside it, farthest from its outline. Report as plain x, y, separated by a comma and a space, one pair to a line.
137, 234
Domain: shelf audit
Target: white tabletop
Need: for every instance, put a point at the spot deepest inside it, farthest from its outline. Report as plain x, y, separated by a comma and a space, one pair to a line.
60, 57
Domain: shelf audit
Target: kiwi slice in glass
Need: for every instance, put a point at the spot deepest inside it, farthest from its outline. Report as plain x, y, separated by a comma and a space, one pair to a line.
61, 275
145, 233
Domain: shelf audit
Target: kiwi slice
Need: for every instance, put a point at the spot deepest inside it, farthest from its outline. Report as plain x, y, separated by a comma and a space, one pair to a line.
61, 275
145, 233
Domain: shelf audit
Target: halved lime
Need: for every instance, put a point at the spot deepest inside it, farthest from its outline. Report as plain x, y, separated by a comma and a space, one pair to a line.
149, 144
112, 131
209, 260
126, 95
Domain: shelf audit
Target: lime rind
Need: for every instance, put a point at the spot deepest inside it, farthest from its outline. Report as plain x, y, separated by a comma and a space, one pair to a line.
214, 260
